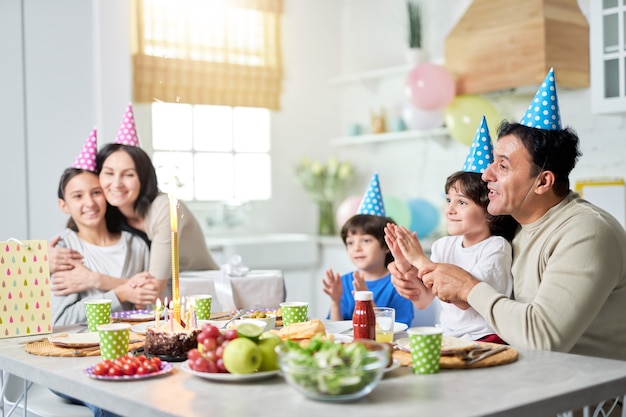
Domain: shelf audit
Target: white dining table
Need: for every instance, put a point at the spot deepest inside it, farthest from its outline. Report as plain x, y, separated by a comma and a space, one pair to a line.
539, 383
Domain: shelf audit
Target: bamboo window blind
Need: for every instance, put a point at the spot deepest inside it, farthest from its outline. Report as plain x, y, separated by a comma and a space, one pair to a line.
219, 52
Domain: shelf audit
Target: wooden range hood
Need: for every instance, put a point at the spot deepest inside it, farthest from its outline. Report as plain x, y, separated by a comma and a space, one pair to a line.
504, 44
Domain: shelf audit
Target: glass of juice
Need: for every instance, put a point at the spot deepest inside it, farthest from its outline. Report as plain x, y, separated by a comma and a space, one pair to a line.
385, 319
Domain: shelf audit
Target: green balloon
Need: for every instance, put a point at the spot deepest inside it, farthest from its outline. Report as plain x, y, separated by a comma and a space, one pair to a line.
398, 210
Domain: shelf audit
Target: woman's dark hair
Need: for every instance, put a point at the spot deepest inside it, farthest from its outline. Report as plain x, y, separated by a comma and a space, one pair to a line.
472, 185
368, 224
556, 151
146, 173
67, 175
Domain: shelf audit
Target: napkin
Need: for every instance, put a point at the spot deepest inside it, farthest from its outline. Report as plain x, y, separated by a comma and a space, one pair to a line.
223, 286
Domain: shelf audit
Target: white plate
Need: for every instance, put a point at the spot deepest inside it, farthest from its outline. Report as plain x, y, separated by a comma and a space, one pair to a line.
449, 344
345, 327
229, 377
140, 328
75, 340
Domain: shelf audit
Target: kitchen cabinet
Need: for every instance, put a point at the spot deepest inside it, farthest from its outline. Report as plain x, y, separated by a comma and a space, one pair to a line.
608, 56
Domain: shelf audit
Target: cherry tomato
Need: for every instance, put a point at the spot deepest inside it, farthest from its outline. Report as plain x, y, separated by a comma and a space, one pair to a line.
115, 371
100, 369
129, 368
141, 370
156, 362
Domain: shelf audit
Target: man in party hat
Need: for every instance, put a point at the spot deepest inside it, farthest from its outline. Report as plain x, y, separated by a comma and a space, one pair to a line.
364, 237
127, 134
86, 159
372, 202
477, 242
569, 256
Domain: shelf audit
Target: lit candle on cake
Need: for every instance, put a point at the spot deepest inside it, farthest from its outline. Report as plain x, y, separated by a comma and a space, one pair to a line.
175, 273
157, 313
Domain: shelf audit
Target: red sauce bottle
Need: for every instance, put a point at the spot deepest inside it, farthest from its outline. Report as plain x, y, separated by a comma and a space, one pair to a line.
364, 318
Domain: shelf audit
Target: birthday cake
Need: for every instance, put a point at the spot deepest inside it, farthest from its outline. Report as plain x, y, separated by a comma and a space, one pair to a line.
170, 340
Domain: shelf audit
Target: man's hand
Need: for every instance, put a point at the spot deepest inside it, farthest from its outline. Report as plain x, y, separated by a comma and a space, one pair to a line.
61, 258
449, 282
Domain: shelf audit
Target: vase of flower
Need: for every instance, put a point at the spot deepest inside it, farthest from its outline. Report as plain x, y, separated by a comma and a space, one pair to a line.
326, 220
324, 183
414, 54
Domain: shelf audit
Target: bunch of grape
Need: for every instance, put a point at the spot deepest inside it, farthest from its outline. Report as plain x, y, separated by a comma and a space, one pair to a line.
211, 343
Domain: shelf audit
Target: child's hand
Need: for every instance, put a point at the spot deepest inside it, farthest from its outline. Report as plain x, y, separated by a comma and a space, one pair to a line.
411, 248
332, 285
391, 238
358, 282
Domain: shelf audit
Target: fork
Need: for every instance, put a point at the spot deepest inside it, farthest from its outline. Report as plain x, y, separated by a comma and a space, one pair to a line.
235, 317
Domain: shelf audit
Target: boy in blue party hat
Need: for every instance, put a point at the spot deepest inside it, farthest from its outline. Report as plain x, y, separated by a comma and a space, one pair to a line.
478, 243
364, 237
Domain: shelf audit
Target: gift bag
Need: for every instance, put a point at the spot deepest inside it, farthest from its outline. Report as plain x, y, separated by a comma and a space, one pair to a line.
24, 288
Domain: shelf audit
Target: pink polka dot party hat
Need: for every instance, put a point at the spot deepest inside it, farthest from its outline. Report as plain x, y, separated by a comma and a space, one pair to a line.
86, 159
127, 135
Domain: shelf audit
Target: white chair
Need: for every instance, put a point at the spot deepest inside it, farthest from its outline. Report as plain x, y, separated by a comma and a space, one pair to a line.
41, 402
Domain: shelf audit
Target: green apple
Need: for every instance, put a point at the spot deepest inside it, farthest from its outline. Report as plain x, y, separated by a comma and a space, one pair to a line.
242, 356
267, 343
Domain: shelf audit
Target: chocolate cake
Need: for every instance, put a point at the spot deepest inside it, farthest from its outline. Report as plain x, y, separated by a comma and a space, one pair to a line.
165, 342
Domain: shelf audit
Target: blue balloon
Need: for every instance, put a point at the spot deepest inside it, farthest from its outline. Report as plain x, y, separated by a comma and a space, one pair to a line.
424, 216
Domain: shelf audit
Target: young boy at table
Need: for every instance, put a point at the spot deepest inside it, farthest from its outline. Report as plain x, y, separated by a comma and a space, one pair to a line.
105, 251
478, 242
364, 237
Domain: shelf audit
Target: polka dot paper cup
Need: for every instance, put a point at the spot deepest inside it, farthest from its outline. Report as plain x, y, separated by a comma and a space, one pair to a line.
203, 306
98, 312
114, 340
294, 312
425, 345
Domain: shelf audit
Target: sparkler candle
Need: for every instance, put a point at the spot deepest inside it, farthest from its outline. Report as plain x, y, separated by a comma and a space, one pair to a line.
175, 272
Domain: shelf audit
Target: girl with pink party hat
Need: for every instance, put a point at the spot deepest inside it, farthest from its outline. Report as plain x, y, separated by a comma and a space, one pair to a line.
105, 252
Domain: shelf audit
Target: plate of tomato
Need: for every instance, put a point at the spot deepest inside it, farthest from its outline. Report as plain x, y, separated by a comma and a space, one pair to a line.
129, 367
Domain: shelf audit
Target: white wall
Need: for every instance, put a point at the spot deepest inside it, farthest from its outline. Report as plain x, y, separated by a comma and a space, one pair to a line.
71, 71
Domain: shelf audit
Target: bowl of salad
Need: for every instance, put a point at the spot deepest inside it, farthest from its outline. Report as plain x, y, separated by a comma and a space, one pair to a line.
323, 369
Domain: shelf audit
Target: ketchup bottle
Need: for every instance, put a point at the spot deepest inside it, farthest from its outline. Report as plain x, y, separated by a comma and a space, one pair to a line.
364, 318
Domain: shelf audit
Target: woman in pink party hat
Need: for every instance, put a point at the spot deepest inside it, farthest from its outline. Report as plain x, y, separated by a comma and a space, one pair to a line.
107, 255
569, 256
130, 186
478, 242
364, 237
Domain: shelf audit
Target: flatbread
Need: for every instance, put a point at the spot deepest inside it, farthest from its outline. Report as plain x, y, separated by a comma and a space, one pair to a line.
301, 331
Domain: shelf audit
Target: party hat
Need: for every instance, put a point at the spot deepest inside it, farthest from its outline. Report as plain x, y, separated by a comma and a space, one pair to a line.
86, 159
543, 112
372, 202
127, 135
481, 152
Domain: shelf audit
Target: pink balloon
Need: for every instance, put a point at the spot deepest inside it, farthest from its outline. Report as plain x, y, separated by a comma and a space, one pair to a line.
430, 87
417, 119
347, 209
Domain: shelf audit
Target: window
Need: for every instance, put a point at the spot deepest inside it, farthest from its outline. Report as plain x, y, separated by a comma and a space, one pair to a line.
212, 153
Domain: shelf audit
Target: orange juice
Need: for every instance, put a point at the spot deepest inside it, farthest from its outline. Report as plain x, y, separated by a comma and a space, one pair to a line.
384, 336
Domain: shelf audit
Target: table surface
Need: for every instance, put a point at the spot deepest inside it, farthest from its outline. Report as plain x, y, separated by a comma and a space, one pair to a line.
539, 383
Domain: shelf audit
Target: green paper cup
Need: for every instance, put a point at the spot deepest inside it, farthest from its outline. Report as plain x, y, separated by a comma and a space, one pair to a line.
114, 340
98, 312
425, 345
202, 305
294, 312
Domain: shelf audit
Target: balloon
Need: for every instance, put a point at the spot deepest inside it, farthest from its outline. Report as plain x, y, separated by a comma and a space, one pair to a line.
347, 209
397, 210
430, 87
424, 216
417, 119
465, 113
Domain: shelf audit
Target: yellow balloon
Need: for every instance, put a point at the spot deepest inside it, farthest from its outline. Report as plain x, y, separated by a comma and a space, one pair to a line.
465, 113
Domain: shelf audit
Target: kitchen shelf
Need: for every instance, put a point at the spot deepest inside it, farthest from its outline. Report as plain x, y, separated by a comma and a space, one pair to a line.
391, 136
370, 75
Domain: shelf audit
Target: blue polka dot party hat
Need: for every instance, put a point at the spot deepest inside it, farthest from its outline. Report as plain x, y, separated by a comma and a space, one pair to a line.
543, 112
372, 202
481, 152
